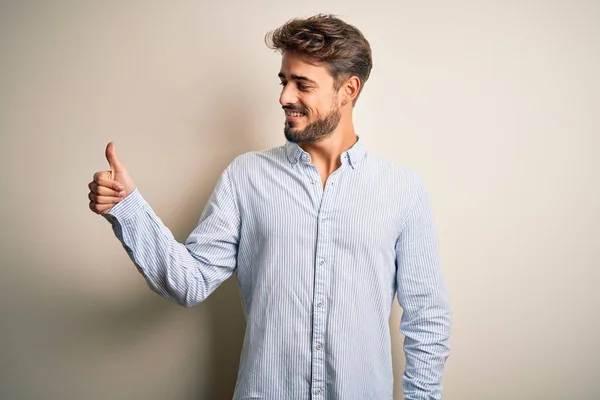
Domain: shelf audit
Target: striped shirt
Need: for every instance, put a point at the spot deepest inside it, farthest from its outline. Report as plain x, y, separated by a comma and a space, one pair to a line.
318, 267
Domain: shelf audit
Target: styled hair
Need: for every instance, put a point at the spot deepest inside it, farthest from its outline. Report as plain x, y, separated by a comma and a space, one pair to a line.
326, 39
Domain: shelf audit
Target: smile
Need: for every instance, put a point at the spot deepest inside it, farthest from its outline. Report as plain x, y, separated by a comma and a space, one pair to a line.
294, 114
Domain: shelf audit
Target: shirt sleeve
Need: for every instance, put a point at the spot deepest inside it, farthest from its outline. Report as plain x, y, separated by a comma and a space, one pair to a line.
186, 273
422, 295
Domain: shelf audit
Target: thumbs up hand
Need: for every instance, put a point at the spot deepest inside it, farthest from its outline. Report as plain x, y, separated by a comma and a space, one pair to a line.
111, 186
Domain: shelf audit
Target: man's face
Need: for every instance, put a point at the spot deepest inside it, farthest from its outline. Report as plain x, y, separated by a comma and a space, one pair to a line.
312, 111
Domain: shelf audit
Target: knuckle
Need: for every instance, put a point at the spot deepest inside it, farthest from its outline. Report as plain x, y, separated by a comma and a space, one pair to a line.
100, 176
103, 183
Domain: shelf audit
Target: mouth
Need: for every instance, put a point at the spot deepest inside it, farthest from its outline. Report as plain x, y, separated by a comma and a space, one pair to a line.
292, 114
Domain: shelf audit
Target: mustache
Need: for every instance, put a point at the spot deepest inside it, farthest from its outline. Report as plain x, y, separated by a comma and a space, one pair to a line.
296, 108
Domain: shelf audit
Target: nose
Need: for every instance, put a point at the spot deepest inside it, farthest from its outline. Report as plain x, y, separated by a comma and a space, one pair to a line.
288, 95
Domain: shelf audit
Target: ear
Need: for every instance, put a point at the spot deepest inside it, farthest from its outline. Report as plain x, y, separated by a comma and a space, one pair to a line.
350, 90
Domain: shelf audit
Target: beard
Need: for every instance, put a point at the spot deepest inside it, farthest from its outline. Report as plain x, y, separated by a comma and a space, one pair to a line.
314, 131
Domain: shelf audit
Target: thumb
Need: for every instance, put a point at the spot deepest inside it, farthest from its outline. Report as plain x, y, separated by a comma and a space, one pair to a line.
111, 157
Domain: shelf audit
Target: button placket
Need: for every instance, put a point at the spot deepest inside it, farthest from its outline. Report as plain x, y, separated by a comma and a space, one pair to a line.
312, 180
323, 263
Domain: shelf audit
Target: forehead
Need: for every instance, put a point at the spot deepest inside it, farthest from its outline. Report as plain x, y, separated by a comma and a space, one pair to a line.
294, 64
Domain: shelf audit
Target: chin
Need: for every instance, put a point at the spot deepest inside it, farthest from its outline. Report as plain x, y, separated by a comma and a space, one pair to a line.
294, 135
294, 124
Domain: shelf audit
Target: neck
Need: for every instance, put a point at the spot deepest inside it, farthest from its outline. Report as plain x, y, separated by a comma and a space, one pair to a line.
326, 153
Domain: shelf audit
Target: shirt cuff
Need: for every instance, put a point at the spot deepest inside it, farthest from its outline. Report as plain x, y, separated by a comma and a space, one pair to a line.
126, 208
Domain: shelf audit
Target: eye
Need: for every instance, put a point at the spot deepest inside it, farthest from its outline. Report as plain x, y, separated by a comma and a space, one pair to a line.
282, 83
302, 87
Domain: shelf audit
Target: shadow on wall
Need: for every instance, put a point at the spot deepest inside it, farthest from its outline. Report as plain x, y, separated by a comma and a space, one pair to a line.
225, 327
228, 326
223, 306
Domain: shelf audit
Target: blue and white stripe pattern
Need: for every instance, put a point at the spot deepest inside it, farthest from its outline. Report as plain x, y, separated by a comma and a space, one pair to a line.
318, 268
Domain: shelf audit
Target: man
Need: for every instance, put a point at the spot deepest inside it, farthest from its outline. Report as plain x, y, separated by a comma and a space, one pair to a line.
320, 233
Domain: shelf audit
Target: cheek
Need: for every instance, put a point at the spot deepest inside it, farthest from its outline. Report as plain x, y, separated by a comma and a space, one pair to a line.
323, 107
316, 110
318, 106
321, 111
310, 104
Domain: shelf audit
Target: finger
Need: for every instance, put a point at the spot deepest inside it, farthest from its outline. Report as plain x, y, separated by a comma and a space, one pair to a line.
103, 199
111, 157
100, 208
102, 175
104, 191
110, 184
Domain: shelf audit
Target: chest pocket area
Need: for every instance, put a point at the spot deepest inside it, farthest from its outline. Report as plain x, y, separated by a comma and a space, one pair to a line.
367, 225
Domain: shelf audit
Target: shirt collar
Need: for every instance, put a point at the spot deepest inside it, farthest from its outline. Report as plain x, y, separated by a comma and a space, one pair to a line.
352, 156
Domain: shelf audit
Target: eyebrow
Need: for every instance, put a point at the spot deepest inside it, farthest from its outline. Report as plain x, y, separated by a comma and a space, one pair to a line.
298, 78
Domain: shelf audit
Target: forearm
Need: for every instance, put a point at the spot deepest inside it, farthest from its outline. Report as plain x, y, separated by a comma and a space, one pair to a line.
422, 294
426, 350
167, 265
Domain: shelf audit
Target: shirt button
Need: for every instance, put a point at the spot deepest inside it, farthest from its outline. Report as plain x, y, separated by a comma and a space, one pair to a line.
317, 390
319, 346
320, 304
322, 262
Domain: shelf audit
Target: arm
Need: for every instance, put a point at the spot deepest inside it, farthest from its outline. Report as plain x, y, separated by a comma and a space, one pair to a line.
422, 296
184, 273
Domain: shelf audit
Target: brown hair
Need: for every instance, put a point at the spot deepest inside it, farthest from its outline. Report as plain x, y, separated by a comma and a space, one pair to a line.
324, 38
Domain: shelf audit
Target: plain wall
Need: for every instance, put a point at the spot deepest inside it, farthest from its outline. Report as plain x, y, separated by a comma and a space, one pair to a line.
495, 103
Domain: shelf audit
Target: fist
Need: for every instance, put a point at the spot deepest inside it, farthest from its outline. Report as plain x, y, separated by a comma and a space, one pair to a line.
111, 186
